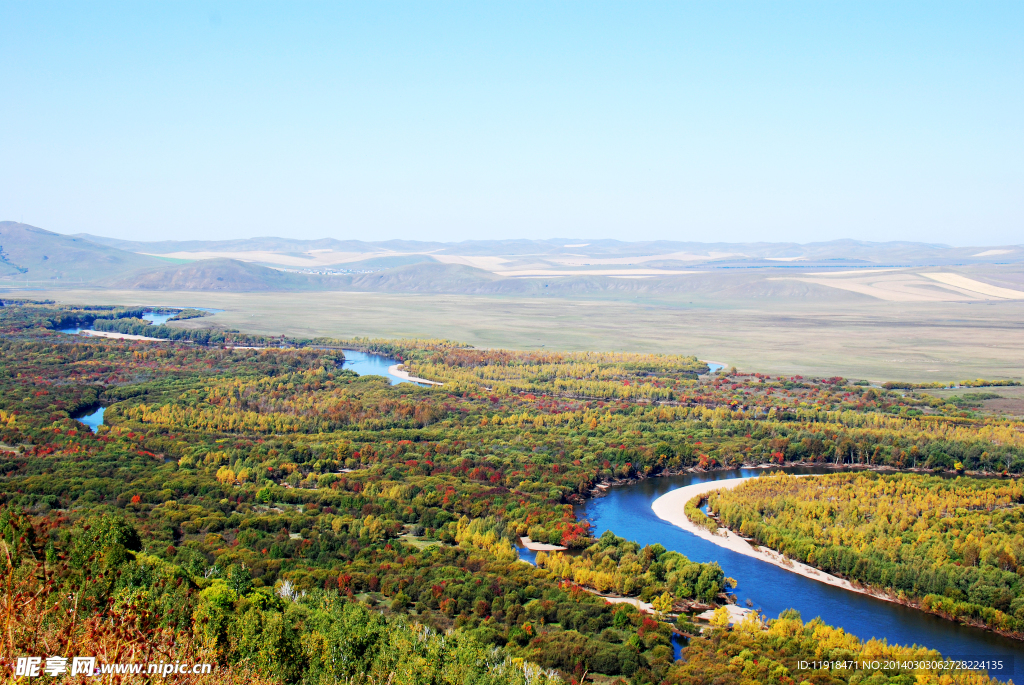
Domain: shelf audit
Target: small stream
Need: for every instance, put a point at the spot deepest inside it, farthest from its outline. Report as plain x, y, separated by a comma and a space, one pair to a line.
94, 419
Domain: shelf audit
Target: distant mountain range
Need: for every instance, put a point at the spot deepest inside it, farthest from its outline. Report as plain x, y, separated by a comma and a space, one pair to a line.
31, 257
690, 253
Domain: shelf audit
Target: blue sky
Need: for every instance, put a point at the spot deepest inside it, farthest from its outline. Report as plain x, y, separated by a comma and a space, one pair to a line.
687, 121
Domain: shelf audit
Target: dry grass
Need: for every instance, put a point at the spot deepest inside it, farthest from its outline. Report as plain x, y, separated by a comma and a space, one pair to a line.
1010, 402
853, 336
911, 285
35, 620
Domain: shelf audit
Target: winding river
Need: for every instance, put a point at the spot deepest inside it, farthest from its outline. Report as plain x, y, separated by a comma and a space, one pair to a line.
626, 511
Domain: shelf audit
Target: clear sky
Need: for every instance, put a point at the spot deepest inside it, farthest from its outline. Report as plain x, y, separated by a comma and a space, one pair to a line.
439, 120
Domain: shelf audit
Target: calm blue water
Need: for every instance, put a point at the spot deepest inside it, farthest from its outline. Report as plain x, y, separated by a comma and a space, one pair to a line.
93, 420
202, 309
626, 511
366, 364
152, 317
714, 368
157, 319
527, 555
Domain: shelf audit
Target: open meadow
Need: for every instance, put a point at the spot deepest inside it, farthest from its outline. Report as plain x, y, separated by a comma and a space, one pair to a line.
855, 336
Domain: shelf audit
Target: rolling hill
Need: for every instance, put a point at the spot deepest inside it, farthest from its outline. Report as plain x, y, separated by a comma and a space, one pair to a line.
834, 271
219, 274
34, 257
581, 251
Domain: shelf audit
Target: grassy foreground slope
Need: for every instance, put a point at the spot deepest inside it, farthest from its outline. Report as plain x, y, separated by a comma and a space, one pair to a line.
953, 546
293, 520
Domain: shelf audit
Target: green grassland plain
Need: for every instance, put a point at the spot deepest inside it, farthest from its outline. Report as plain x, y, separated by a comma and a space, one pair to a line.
854, 336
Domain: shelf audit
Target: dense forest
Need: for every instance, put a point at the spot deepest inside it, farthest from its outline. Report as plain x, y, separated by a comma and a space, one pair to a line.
295, 522
955, 546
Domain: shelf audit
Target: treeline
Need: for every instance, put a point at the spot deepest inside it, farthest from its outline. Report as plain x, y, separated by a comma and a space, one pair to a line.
72, 317
954, 546
976, 383
693, 512
202, 336
576, 374
785, 651
613, 564
186, 314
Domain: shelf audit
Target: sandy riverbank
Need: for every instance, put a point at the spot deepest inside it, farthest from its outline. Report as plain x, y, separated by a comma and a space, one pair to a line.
541, 546
646, 607
670, 507
121, 336
397, 370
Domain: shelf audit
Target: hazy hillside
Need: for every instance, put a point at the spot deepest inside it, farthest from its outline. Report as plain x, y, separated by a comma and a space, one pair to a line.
218, 274
267, 243
33, 256
671, 253
835, 271
234, 276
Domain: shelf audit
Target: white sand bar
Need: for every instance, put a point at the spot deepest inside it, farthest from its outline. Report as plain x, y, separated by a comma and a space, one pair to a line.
736, 614
540, 546
122, 336
635, 601
400, 372
670, 507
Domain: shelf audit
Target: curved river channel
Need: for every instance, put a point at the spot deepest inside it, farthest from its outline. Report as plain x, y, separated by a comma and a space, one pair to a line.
626, 511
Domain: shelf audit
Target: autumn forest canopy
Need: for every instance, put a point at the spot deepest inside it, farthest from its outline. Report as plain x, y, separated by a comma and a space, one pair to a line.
251, 502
